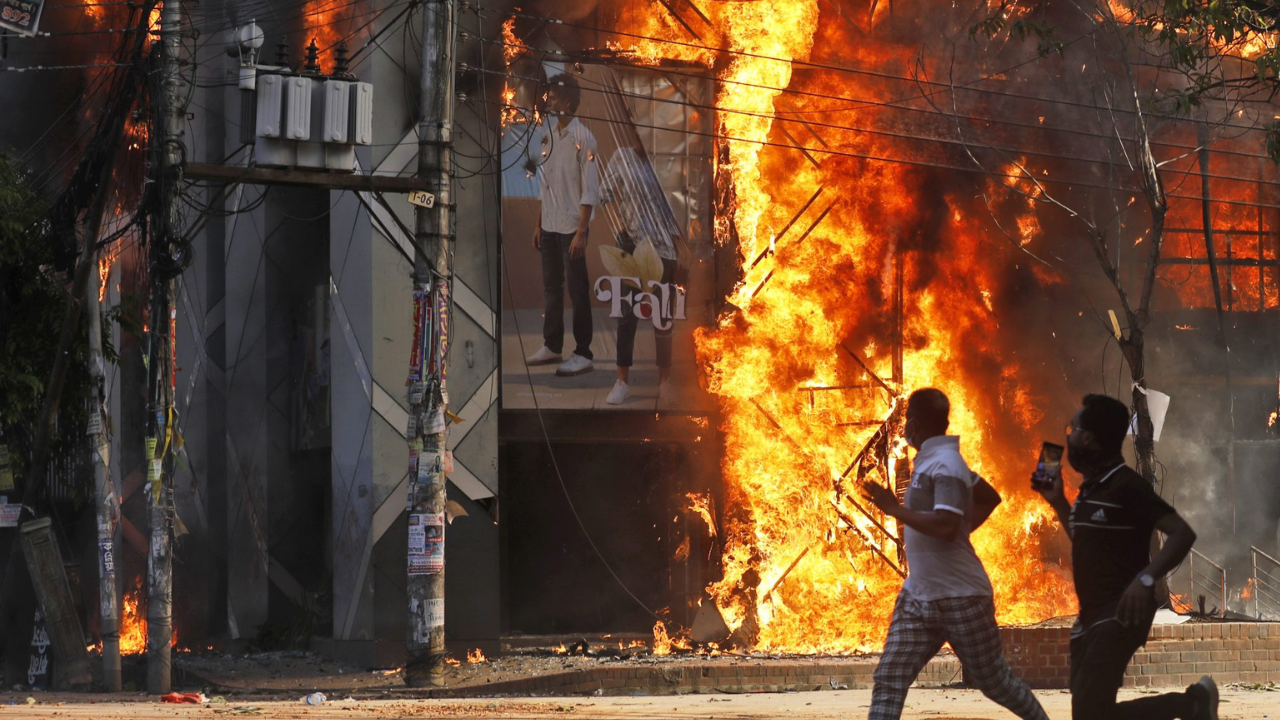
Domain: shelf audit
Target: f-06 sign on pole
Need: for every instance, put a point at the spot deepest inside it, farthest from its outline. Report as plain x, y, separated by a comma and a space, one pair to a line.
21, 16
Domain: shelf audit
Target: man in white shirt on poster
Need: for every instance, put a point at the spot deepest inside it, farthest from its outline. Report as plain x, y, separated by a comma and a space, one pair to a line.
564, 153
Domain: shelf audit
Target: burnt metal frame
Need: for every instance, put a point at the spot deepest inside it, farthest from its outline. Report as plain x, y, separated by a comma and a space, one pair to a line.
1266, 580
1213, 581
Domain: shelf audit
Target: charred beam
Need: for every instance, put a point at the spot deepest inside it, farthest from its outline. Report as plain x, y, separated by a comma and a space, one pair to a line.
853, 527
868, 371
764, 253
879, 435
798, 145
801, 239
786, 572
680, 19
879, 526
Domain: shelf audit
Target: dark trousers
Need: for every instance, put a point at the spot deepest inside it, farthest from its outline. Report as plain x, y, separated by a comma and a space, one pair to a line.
628, 322
555, 261
1098, 660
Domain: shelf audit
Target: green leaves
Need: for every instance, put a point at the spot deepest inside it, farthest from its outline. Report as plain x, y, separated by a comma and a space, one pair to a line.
33, 300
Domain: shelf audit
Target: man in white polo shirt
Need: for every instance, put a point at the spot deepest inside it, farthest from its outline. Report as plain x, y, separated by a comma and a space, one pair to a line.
947, 596
564, 153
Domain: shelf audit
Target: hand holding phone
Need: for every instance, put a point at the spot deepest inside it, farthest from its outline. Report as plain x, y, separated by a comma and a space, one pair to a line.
1048, 474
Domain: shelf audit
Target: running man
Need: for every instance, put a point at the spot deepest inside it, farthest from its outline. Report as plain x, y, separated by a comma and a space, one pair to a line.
947, 596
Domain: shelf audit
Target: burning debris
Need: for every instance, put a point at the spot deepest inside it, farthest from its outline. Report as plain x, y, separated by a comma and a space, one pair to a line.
797, 408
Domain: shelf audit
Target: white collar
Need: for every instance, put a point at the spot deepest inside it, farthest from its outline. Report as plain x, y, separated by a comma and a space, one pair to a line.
939, 443
1110, 472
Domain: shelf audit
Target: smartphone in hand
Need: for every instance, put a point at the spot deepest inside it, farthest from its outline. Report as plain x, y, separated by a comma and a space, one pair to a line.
1049, 466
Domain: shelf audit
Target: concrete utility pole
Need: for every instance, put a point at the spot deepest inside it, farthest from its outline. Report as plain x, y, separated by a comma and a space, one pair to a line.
428, 396
168, 260
100, 446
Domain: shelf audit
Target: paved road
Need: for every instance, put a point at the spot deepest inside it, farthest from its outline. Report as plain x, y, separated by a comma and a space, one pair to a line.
841, 705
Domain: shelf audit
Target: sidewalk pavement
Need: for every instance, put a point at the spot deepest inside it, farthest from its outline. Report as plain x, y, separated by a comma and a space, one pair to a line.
934, 704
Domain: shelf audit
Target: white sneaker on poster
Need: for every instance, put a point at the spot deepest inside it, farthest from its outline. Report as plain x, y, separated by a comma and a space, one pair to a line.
575, 365
666, 392
544, 356
618, 394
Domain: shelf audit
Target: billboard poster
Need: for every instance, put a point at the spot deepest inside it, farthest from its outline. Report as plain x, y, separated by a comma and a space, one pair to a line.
607, 236
21, 16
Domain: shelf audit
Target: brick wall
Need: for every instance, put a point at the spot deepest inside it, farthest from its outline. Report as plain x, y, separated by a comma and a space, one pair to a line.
1175, 656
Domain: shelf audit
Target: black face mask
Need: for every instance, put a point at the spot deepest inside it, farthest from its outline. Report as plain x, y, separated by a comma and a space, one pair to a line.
1084, 459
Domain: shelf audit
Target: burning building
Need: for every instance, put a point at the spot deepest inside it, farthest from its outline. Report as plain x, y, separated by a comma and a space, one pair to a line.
860, 199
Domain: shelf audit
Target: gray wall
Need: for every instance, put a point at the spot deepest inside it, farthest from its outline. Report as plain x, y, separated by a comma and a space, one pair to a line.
318, 524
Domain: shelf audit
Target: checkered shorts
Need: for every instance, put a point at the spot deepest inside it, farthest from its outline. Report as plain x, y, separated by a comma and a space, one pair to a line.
917, 632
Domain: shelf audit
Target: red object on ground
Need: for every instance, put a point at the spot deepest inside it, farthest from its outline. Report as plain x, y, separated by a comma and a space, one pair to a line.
192, 698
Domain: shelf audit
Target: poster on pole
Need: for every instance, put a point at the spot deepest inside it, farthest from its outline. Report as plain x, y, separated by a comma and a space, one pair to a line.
21, 16
426, 543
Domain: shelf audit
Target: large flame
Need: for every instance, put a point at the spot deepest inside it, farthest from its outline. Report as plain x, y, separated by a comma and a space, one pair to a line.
133, 623
821, 241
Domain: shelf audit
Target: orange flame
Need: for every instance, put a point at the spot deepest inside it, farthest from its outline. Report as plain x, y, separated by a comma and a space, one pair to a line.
795, 407
476, 656
512, 48
700, 503
664, 643
133, 623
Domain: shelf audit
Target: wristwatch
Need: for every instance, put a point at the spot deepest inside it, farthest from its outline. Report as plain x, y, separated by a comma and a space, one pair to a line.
1146, 580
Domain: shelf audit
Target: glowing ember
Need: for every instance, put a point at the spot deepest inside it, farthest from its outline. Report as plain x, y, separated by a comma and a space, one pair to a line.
1271, 420
476, 656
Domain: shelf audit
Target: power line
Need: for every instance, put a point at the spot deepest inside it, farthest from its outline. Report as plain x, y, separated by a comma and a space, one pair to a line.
915, 163
858, 104
824, 66
871, 131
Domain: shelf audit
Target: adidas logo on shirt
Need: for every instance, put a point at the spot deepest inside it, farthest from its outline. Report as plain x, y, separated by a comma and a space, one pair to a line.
1099, 516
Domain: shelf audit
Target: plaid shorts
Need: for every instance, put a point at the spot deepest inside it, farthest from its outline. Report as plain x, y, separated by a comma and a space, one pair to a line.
917, 632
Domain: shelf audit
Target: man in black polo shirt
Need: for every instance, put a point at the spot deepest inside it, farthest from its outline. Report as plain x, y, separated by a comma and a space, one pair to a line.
1110, 527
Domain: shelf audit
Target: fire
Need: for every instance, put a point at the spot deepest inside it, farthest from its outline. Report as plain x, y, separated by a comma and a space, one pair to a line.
1271, 421
663, 643
802, 570
133, 622
512, 46
1246, 593
700, 503
513, 49
327, 22
476, 656
153, 21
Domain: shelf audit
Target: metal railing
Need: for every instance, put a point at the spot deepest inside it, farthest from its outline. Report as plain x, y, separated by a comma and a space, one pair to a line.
1202, 582
1266, 584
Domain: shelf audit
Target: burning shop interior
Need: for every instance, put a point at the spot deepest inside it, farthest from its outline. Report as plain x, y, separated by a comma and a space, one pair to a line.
900, 203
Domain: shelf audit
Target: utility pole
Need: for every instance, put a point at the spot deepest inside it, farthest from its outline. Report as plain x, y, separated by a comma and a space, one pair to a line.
169, 255
104, 489
428, 396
